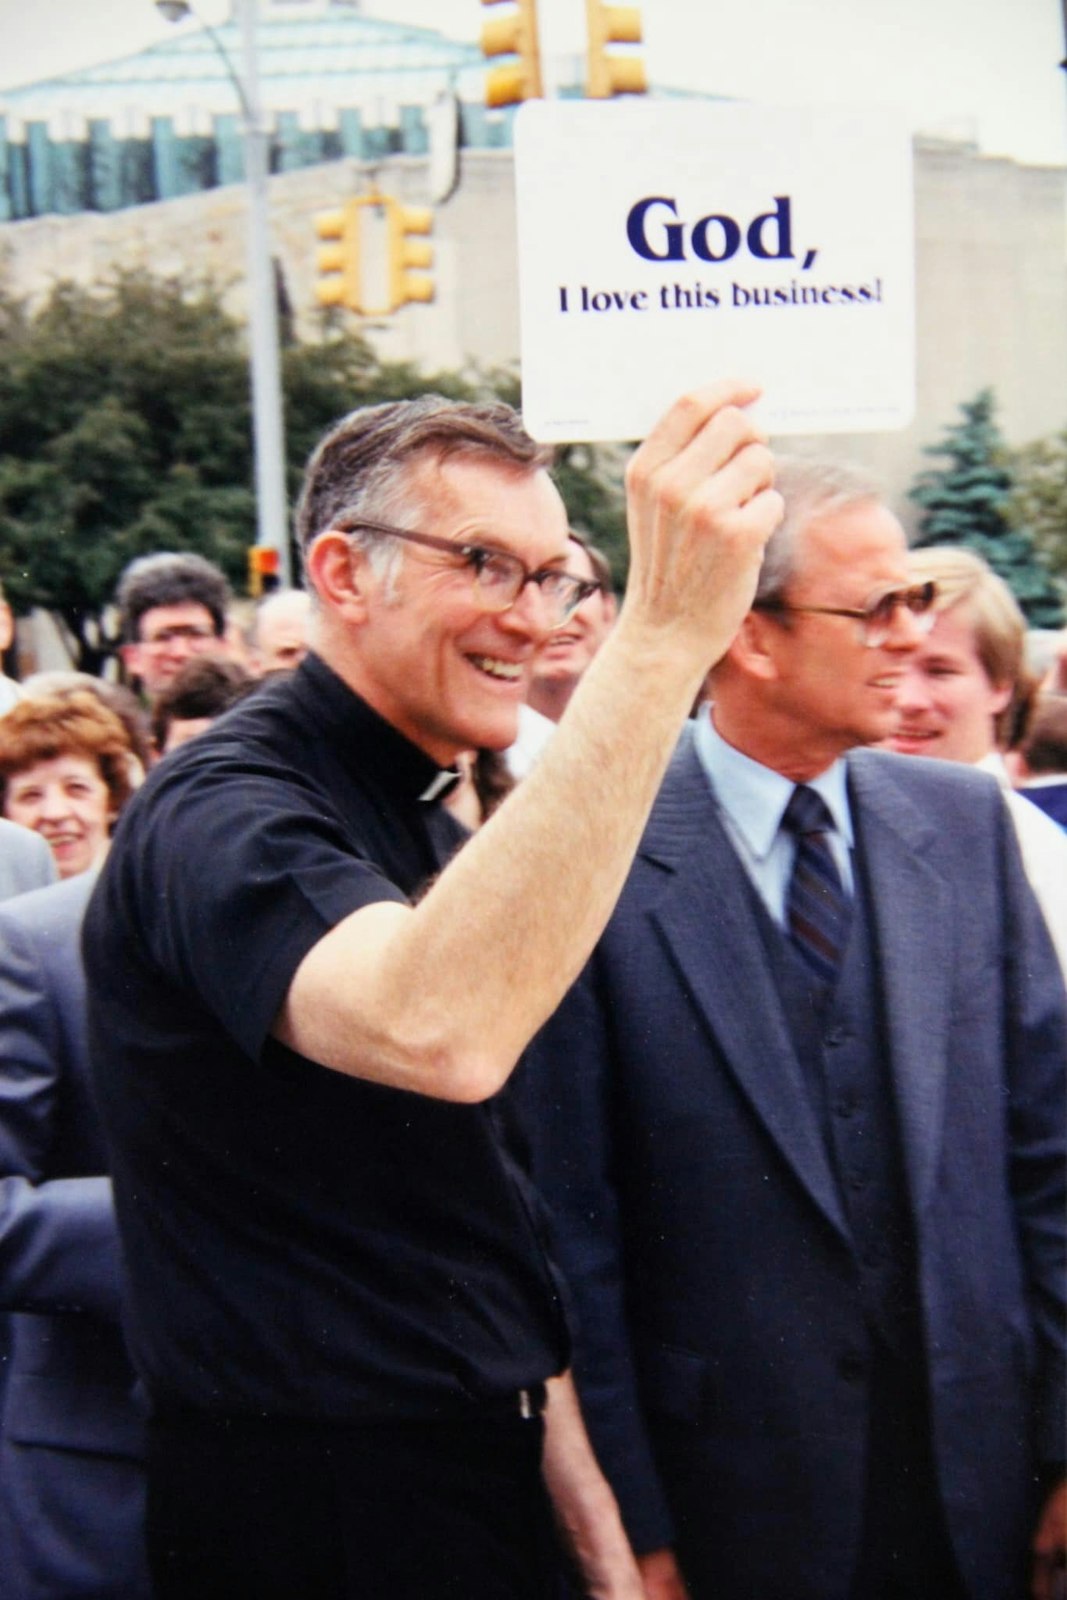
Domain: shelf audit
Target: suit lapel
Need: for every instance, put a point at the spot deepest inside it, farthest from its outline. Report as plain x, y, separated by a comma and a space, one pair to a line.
708, 921
912, 911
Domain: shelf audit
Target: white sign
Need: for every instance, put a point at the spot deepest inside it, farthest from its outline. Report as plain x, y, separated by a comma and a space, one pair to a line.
663, 245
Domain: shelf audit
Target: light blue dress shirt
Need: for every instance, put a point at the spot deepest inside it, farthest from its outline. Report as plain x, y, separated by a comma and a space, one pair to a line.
752, 799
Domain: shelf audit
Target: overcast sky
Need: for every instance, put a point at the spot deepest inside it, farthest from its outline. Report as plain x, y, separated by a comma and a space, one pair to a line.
985, 70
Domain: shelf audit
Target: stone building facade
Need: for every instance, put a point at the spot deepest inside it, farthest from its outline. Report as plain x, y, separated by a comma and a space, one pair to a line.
991, 234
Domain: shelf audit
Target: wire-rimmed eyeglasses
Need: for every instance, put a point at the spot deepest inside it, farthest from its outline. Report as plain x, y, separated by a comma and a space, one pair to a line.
498, 577
194, 633
876, 618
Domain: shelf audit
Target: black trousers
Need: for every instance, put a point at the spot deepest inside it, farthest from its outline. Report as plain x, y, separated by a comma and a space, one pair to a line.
272, 1509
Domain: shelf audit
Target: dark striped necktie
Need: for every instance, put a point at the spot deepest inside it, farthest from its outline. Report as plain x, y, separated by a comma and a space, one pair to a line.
816, 906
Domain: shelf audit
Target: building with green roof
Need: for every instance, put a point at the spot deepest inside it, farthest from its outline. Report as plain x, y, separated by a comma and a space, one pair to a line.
166, 121
138, 164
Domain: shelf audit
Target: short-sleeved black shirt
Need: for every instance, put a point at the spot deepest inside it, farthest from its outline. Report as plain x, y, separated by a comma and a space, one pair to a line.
298, 1242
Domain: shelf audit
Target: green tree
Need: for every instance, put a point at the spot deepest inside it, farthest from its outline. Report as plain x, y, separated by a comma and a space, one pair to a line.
125, 428
1039, 497
968, 502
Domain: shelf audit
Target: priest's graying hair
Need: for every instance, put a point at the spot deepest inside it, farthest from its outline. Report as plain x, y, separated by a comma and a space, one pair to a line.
811, 488
363, 465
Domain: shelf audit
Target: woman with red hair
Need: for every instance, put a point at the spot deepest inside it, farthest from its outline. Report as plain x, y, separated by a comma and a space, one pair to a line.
66, 770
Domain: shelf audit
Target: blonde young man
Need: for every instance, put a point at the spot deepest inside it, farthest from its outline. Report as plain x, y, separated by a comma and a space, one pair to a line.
956, 697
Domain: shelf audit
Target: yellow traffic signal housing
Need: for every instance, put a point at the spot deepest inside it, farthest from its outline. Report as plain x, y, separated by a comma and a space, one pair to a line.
513, 35
408, 249
339, 260
613, 74
264, 566
382, 266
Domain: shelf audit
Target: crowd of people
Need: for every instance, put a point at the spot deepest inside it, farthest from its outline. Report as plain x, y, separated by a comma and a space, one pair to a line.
504, 1095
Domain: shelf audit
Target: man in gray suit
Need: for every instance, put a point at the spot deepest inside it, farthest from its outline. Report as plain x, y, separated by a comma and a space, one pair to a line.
803, 1123
71, 1437
26, 863
25, 860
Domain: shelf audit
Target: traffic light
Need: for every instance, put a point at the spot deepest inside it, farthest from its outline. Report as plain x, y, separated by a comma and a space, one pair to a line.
264, 565
340, 282
408, 248
375, 272
513, 35
613, 74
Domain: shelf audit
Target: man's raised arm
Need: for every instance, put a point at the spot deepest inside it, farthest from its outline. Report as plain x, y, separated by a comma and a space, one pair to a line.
442, 998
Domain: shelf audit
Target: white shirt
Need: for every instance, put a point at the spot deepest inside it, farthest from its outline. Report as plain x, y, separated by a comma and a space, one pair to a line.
1044, 851
535, 731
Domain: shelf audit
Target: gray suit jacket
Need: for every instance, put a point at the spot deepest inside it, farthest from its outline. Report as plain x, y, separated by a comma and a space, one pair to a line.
25, 860
70, 1396
722, 1354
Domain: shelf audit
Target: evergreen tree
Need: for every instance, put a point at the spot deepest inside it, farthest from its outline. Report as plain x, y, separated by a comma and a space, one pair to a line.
968, 502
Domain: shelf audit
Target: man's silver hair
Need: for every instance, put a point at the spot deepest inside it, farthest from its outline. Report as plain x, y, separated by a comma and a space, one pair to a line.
366, 465
811, 488
388, 496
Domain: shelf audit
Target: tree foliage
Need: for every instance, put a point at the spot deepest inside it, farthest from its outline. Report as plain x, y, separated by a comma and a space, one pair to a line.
969, 502
590, 479
1038, 499
125, 428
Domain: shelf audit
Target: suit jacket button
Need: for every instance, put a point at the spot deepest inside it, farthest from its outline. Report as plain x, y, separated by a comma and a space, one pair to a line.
851, 1366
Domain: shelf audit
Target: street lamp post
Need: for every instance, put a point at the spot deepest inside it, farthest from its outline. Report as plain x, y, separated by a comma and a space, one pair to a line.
267, 427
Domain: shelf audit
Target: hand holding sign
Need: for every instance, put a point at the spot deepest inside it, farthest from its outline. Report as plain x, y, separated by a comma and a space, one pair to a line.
700, 508
662, 244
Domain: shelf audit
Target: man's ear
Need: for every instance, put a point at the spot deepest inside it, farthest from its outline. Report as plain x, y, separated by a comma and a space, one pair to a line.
130, 655
1002, 696
341, 575
753, 649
